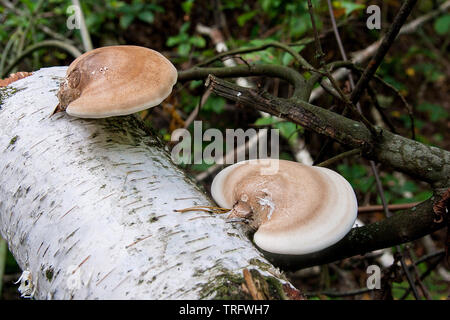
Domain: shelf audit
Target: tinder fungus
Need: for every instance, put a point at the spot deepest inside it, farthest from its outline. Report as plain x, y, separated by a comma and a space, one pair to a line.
297, 209
115, 81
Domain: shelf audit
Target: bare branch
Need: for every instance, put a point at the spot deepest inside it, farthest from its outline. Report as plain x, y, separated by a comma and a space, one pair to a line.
392, 150
402, 227
386, 43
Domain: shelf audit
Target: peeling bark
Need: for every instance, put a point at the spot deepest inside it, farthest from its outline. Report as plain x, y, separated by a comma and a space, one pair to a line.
87, 207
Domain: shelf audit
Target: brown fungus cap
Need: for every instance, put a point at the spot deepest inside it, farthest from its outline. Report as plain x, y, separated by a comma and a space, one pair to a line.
114, 81
298, 209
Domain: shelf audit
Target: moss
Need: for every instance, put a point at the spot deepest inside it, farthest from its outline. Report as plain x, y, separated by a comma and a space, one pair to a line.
7, 92
232, 234
229, 286
13, 140
49, 274
225, 286
275, 289
260, 264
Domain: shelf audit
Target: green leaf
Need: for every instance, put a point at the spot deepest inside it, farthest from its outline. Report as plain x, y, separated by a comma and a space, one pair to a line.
351, 6
409, 186
197, 41
396, 84
288, 130
286, 59
435, 111
429, 70
422, 196
172, 41
184, 49
126, 20
365, 184
187, 6
269, 5
155, 7
264, 121
215, 104
264, 56
184, 28
195, 84
200, 167
93, 21
146, 16
126, 9
137, 6
299, 26
29, 4
298, 48
243, 18
442, 24
357, 176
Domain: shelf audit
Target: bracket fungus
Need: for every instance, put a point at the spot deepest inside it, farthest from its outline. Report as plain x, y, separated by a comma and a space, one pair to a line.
115, 81
297, 209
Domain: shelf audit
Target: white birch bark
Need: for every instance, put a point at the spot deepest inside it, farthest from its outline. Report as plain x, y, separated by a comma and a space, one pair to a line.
87, 207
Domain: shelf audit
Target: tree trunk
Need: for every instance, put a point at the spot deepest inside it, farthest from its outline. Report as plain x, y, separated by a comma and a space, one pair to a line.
87, 208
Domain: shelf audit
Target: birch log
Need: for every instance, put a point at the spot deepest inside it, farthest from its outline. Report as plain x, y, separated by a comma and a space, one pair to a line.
87, 209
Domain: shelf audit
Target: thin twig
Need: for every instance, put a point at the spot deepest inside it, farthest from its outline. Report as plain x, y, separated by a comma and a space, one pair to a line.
319, 52
392, 207
386, 43
428, 271
405, 103
47, 43
273, 44
380, 110
31, 16
393, 89
200, 104
85, 37
326, 72
335, 294
339, 157
388, 214
363, 81
429, 256
54, 34
262, 47
5, 52
419, 282
349, 104
362, 55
